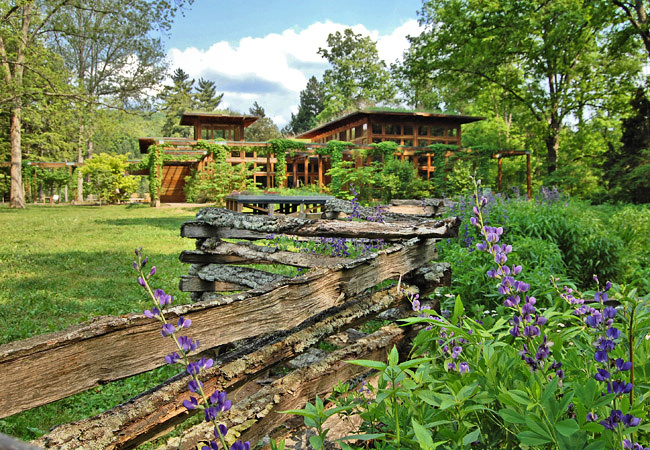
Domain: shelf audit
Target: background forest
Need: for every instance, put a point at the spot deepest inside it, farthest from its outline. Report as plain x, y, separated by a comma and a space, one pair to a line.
565, 80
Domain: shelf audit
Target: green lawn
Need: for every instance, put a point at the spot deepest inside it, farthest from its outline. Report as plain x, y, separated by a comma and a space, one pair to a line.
63, 265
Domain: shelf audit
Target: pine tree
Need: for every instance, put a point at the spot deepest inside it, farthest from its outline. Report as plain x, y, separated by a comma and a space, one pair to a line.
311, 104
206, 98
177, 99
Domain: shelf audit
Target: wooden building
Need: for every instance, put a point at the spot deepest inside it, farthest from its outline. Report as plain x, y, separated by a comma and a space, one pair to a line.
411, 129
206, 126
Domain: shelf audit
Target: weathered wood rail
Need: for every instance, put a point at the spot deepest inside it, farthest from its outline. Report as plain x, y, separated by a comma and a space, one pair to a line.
272, 319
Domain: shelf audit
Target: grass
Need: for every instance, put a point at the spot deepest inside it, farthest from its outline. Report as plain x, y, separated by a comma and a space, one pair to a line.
63, 265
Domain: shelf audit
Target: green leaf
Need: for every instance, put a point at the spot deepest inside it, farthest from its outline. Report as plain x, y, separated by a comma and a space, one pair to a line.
472, 437
531, 438
393, 357
595, 445
459, 310
567, 427
413, 362
511, 416
316, 442
593, 427
520, 397
422, 435
369, 363
363, 437
536, 425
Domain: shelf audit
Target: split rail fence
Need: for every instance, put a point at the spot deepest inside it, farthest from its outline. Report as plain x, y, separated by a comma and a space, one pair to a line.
269, 320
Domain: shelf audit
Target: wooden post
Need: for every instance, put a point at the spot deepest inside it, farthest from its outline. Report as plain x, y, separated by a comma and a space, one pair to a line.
500, 176
528, 182
268, 171
306, 182
321, 182
294, 168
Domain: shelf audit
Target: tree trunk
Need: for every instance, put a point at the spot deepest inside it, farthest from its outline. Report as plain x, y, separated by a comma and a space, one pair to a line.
17, 193
80, 158
552, 144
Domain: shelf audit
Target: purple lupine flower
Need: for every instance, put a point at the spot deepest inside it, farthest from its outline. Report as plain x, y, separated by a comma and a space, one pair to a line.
602, 375
463, 368
152, 272
205, 363
141, 281
613, 333
172, 358
135, 265
451, 366
630, 421
194, 385
221, 429
211, 413
153, 313
456, 351
187, 344
623, 365
592, 417
239, 445
212, 446
619, 387
193, 368
601, 356
191, 403
183, 322
167, 330
163, 299
609, 312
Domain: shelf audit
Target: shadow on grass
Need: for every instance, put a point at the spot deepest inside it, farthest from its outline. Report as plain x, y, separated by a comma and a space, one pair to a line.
167, 223
51, 292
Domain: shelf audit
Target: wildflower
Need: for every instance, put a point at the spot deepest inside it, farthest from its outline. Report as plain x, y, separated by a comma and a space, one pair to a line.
463, 368
167, 330
172, 358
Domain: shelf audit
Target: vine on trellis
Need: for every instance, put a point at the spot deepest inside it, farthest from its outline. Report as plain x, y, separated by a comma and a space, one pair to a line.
279, 148
335, 151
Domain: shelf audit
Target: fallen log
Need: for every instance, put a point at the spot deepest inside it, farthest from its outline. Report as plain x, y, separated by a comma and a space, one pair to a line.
221, 223
102, 350
158, 410
255, 416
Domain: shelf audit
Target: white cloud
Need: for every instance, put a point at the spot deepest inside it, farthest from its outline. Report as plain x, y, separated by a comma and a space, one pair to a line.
272, 70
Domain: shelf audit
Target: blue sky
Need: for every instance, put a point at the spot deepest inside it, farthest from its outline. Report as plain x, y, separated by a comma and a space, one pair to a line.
265, 51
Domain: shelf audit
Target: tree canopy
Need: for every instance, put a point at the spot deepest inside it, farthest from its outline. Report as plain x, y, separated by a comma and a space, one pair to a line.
358, 78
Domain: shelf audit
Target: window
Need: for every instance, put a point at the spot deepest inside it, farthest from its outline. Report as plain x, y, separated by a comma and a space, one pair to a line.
376, 128
438, 131
408, 142
452, 132
392, 129
408, 130
423, 131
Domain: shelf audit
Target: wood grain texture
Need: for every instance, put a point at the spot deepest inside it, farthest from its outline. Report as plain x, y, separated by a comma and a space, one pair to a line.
111, 348
158, 410
221, 223
255, 416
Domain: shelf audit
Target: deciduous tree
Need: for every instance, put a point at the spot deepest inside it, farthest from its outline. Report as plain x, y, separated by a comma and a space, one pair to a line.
550, 57
358, 78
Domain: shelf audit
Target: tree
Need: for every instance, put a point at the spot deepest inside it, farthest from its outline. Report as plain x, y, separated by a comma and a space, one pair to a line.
311, 104
206, 98
358, 77
635, 13
263, 128
121, 50
550, 57
107, 179
177, 99
627, 169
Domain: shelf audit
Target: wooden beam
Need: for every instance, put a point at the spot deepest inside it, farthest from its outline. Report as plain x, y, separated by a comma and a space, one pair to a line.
221, 223
103, 350
158, 410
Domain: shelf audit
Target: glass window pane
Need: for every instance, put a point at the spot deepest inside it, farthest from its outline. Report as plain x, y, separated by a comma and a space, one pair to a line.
423, 131
393, 129
376, 128
452, 132
438, 131
408, 130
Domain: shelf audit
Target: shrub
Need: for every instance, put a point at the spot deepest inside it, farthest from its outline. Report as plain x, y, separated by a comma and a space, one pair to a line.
106, 177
